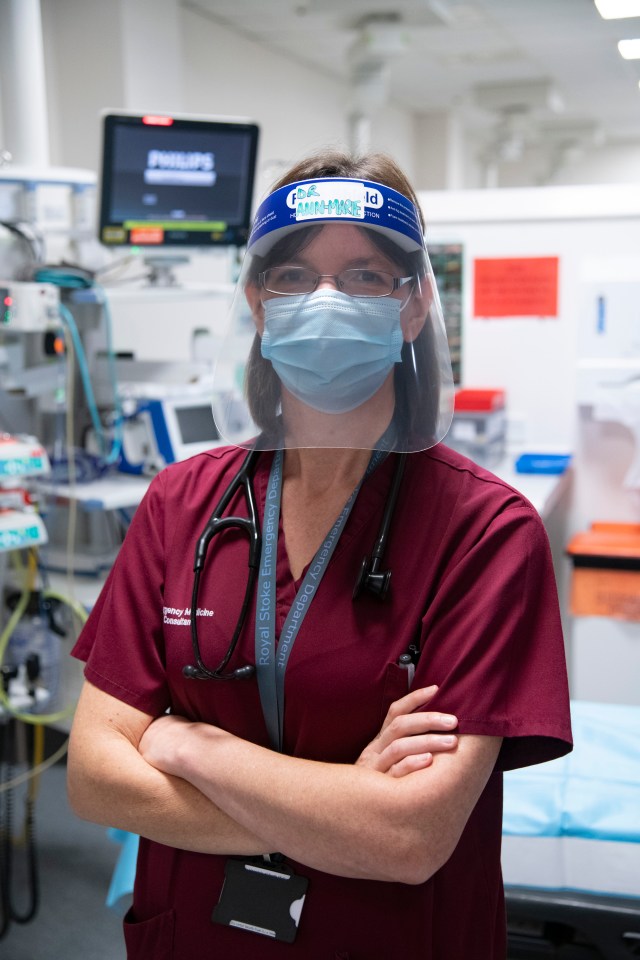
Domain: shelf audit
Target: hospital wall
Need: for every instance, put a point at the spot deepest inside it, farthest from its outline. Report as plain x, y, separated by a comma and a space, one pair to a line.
545, 363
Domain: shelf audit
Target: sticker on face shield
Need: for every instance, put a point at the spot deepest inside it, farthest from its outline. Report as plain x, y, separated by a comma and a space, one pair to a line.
317, 201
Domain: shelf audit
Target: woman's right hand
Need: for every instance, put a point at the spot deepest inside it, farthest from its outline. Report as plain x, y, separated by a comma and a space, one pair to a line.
408, 740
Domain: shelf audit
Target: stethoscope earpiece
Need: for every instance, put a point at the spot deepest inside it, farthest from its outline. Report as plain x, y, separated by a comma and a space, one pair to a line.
243, 673
193, 673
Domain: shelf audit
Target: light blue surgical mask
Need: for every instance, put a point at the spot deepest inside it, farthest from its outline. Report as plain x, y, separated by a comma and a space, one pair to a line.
332, 351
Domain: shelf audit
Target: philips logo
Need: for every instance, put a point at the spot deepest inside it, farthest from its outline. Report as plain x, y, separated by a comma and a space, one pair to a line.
187, 167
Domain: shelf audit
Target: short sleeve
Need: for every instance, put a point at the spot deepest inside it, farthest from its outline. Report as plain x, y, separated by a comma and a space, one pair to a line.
492, 641
122, 641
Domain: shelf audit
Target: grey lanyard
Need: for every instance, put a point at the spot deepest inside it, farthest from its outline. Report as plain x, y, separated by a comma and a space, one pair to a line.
271, 665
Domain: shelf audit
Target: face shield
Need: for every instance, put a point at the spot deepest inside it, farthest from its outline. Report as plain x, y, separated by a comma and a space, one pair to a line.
336, 336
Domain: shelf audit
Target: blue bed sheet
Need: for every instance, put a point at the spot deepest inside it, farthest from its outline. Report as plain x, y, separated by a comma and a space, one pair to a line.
593, 792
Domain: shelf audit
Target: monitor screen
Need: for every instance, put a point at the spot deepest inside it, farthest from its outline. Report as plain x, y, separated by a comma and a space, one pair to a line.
176, 181
196, 424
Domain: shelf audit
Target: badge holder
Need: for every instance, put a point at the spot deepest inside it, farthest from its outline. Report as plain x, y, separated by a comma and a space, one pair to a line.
261, 896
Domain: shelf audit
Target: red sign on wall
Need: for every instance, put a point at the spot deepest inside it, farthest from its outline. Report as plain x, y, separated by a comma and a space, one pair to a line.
516, 287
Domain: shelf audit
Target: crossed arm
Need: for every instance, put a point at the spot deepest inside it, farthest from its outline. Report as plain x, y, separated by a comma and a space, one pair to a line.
396, 814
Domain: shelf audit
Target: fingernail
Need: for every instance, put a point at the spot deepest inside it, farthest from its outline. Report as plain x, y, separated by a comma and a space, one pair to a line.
448, 741
448, 720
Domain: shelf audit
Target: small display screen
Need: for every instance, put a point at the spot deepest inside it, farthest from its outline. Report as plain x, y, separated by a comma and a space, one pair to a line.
196, 424
176, 182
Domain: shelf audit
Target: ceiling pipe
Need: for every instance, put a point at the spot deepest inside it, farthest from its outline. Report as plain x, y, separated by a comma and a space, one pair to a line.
380, 39
22, 83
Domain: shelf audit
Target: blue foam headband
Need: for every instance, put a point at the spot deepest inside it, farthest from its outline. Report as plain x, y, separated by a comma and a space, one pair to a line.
332, 199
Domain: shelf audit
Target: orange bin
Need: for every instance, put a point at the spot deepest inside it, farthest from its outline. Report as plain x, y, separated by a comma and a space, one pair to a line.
606, 571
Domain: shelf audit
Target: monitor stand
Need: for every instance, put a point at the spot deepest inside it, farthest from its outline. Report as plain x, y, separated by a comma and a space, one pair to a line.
161, 269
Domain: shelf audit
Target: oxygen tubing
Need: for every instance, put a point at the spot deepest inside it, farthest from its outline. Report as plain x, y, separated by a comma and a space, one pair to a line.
5, 702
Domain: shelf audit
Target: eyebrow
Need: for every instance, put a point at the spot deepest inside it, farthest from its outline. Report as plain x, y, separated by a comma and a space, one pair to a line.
378, 260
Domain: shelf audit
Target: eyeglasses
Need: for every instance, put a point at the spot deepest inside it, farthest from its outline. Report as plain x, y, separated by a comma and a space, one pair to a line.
290, 280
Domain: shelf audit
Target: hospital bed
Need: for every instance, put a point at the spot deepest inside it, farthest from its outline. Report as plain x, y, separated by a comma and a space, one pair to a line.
571, 844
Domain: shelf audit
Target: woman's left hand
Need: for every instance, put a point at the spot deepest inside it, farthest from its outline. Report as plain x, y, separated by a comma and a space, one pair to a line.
409, 737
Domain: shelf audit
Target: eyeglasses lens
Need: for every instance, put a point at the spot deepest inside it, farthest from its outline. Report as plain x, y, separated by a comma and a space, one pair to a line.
358, 282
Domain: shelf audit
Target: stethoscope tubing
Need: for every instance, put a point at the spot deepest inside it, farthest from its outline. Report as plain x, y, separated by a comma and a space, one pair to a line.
216, 524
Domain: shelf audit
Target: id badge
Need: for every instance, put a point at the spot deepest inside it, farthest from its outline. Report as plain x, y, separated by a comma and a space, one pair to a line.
261, 897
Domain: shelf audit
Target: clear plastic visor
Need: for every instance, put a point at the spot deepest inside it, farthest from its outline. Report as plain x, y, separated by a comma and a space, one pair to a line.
335, 339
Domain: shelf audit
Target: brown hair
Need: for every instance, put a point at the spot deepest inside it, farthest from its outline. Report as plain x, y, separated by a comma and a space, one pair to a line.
376, 167
261, 382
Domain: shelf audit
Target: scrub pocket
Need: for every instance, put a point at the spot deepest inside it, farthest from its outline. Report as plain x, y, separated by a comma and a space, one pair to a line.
396, 685
148, 939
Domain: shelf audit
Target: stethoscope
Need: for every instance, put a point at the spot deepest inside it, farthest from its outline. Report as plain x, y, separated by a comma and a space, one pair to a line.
370, 575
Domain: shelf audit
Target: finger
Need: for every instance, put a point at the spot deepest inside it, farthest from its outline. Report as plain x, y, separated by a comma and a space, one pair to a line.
413, 746
410, 702
398, 749
410, 765
414, 724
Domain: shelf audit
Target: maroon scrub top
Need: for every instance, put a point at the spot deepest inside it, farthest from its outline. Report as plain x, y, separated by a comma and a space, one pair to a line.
472, 583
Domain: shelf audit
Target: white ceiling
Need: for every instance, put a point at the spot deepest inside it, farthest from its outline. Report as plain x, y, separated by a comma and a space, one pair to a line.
450, 47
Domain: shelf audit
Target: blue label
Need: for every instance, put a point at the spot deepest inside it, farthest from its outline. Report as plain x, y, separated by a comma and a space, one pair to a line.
20, 466
18, 537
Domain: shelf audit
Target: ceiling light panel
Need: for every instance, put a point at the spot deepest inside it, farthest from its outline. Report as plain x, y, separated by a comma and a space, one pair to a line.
630, 49
618, 9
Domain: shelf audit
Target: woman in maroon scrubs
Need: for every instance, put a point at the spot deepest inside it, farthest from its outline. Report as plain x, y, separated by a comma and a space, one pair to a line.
339, 794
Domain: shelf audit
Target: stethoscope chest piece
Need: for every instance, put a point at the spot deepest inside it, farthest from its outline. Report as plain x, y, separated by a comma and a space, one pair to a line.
369, 576
376, 582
